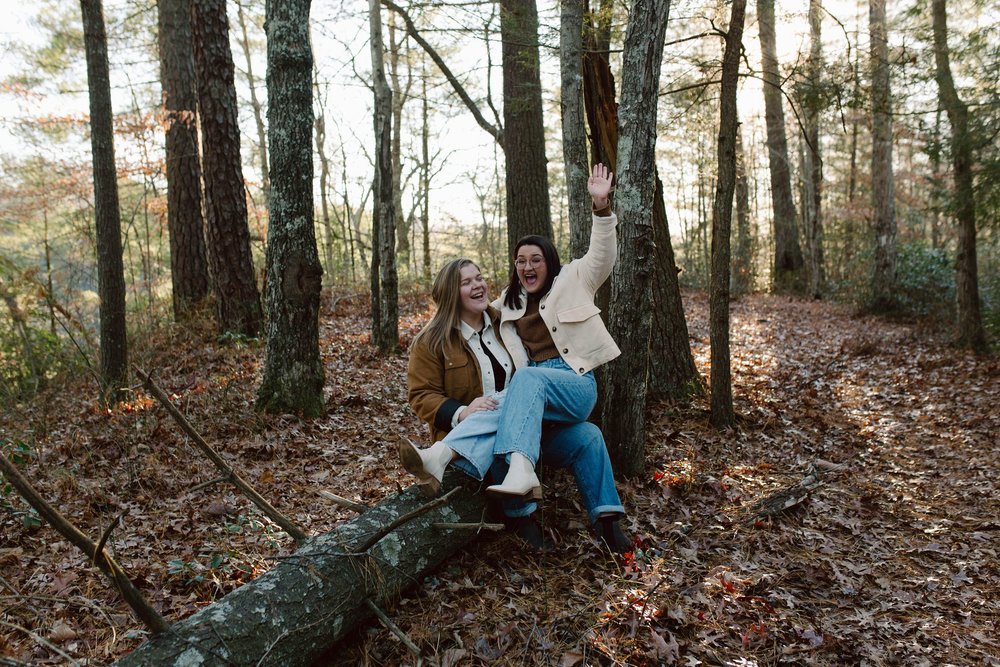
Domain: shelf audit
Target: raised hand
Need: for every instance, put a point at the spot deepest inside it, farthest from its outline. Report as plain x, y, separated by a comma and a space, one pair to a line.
599, 185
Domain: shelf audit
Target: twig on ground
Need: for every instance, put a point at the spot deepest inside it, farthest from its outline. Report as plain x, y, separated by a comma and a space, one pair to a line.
494, 527
132, 595
394, 629
41, 640
227, 471
203, 485
107, 534
343, 502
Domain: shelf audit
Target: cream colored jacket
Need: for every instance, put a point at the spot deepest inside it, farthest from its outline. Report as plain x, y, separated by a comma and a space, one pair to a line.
568, 310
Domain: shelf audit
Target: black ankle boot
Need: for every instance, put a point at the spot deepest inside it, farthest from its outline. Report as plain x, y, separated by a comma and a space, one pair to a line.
528, 530
608, 530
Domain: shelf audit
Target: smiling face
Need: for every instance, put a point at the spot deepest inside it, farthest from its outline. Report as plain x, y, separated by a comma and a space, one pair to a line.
473, 295
531, 268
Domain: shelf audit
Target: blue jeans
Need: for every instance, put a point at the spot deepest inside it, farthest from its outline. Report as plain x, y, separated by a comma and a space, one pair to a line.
580, 447
553, 392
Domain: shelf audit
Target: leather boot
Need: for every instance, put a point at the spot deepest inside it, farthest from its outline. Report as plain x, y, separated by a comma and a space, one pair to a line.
608, 530
428, 465
521, 480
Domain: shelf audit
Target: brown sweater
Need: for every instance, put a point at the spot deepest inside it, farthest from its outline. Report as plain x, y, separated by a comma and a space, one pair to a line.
535, 336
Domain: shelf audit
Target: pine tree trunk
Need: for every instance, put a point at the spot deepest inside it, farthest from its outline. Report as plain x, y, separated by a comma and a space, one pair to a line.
385, 304
969, 330
293, 373
630, 317
574, 133
883, 189
723, 415
788, 261
399, 97
188, 263
107, 218
524, 134
237, 301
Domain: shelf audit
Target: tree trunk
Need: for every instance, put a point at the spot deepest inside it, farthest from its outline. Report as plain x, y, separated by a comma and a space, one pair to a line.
630, 315
425, 179
722, 415
788, 261
742, 282
237, 301
258, 112
385, 304
292, 614
324, 183
399, 97
107, 218
969, 330
883, 195
524, 135
813, 176
293, 373
188, 264
574, 134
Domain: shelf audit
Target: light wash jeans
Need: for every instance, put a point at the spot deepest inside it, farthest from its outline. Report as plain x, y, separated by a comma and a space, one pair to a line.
546, 391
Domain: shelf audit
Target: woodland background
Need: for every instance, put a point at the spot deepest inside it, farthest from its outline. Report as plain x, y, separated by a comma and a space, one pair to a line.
859, 387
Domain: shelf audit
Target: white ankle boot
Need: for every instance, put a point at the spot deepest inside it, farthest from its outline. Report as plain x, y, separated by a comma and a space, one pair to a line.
521, 480
428, 465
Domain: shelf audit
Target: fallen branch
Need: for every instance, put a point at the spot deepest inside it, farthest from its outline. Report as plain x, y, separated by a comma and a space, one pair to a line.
409, 516
494, 527
228, 474
343, 502
132, 595
293, 614
787, 498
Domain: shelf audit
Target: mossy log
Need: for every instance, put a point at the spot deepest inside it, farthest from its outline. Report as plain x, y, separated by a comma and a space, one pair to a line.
296, 611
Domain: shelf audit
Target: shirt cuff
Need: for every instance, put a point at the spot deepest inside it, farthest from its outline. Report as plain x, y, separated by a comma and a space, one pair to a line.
454, 417
603, 212
446, 417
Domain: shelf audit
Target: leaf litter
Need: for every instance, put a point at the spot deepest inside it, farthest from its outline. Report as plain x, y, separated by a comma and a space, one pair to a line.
851, 517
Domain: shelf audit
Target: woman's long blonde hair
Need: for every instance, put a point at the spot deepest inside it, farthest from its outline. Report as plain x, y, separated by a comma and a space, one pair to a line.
446, 295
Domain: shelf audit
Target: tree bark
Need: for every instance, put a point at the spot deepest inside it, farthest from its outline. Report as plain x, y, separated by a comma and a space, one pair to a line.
295, 612
399, 97
185, 223
788, 261
237, 301
630, 315
425, 179
385, 303
574, 133
293, 373
524, 135
107, 218
722, 415
324, 183
969, 325
742, 281
814, 160
883, 190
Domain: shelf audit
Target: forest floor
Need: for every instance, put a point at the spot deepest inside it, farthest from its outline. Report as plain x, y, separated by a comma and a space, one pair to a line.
890, 559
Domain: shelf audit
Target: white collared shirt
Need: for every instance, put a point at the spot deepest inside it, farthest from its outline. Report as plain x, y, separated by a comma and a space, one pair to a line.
489, 337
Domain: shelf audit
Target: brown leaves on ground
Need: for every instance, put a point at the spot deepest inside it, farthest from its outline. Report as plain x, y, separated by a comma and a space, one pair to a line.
889, 556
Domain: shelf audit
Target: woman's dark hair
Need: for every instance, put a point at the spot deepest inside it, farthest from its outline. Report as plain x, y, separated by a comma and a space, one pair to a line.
552, 266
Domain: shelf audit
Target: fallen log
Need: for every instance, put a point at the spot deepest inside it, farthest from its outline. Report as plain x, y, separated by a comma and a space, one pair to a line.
302, 606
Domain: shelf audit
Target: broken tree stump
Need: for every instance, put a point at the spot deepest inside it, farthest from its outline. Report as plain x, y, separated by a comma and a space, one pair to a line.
310, 599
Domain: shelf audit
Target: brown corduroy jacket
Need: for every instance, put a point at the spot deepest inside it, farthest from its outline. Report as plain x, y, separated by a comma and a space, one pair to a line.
439, 385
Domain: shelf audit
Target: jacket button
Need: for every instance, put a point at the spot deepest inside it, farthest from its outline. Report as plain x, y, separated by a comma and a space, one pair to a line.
565, 350
541, 307
581, 370
553, 328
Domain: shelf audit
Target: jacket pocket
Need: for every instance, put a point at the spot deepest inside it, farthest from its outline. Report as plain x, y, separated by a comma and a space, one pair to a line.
579, 313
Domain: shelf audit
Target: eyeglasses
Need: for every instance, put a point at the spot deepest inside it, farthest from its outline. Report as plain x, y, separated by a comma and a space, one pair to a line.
535, 262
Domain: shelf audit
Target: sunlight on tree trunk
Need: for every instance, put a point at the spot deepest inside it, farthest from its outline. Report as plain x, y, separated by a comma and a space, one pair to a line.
883, 286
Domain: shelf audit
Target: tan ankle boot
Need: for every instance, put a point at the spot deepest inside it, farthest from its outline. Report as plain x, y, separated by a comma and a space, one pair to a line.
428, 465
521, 480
